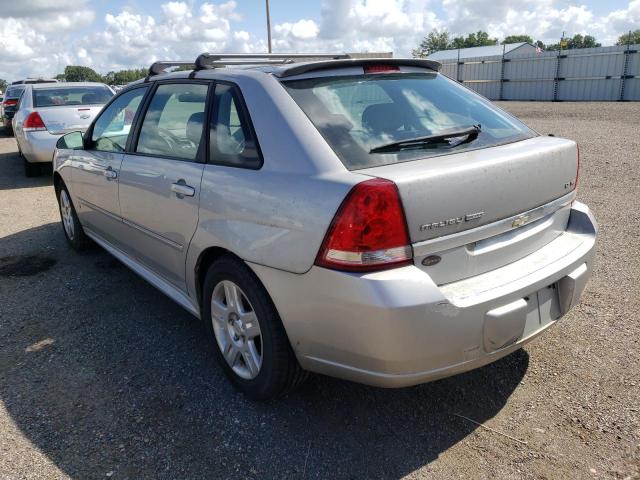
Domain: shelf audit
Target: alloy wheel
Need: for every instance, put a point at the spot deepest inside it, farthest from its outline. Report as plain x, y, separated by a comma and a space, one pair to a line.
67, 214
237, 330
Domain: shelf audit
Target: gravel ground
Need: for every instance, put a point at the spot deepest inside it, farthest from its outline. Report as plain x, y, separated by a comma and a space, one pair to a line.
103, 377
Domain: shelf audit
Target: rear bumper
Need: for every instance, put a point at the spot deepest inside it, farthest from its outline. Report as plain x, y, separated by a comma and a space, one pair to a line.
398, 328
38, 147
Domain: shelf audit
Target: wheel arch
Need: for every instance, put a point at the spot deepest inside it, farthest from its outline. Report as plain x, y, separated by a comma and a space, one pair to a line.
206, 258
58, 182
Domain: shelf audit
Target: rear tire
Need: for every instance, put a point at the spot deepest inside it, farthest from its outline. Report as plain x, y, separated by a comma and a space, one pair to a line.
241, 319
73, 231
30, 169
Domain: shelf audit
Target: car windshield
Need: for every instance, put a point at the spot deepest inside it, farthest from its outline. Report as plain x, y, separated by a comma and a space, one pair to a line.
60, 96
358, 114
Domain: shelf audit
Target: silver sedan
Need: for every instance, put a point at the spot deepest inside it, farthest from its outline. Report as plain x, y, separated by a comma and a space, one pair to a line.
49, 110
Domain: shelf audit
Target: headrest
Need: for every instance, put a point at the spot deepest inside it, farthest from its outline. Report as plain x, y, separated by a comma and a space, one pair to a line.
194, 127
89, 98
382, 118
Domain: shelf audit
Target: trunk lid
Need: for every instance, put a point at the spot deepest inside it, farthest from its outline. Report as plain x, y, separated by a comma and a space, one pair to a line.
66, 119
451, 193
481, 209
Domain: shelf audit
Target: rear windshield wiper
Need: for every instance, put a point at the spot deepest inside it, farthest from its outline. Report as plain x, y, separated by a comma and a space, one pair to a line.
470, 132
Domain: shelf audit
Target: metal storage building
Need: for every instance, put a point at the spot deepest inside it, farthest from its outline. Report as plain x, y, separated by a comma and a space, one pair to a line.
488, 51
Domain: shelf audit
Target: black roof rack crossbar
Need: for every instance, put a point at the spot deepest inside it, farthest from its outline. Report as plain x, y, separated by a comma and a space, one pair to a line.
213, 60
159, 67
297, 69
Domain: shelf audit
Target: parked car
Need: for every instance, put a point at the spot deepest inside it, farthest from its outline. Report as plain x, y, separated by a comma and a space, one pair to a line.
9, 106
34, 80
47, 111
368, 219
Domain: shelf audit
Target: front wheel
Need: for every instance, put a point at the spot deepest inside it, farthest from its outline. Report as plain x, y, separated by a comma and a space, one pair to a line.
245, 330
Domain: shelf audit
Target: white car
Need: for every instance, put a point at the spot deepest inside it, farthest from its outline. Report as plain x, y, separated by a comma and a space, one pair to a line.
46, 111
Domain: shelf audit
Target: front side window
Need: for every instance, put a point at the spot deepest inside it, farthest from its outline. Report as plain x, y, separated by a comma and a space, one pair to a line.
358, 114
232, 140
111, 130
173, 123
63, 96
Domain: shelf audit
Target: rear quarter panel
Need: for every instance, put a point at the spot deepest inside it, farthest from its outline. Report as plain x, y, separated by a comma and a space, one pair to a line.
269, 218
276, 216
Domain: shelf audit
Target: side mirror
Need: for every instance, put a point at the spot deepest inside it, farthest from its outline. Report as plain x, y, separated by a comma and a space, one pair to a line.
71, 141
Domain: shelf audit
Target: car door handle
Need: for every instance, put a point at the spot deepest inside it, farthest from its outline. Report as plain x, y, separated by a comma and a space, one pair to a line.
181, 189
110, 173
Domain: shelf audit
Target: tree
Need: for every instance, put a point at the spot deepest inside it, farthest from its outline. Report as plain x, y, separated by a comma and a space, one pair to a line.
75, 73
433, 42
3, 85
478, 39
630, 38
517, 39
127, 76
577, 41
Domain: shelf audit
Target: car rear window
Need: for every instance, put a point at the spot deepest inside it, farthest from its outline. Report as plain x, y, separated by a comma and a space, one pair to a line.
13, 92
59, 96
361, 112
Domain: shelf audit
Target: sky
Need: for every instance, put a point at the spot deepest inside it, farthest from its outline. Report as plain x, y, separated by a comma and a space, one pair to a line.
41, 37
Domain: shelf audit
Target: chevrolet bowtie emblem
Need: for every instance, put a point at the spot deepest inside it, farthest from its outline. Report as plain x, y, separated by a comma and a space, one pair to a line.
518, 222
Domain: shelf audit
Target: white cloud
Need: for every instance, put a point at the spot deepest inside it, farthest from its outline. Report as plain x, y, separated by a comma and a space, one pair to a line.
40, 37
300, 30
544, 20
621, 21
40, 8
360, 25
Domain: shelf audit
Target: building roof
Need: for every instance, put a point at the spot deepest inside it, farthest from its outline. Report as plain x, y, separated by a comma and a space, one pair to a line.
472, 52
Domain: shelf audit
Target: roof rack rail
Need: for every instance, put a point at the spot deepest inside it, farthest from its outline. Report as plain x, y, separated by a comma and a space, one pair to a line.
207, 61
157, 68
212, 60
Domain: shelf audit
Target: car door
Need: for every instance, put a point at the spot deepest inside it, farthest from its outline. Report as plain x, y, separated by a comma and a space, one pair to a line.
160, 178
96, 168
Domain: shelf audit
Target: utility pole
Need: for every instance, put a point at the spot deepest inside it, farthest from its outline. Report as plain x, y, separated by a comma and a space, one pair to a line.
268, 27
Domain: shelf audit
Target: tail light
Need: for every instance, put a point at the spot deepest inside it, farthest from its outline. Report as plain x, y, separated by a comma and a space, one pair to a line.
369, 69
11, 102
33, 123
369, 231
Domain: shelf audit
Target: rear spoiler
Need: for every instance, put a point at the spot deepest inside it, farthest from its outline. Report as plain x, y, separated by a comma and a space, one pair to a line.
300, 68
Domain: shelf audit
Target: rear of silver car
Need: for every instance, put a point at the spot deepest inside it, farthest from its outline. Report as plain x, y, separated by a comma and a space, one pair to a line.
402, 228
48, 111
497, 248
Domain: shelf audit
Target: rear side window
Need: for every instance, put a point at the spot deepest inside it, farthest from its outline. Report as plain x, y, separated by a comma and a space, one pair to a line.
14, 92
356, 114
232, 140
111, 130
52, 97
174, 121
